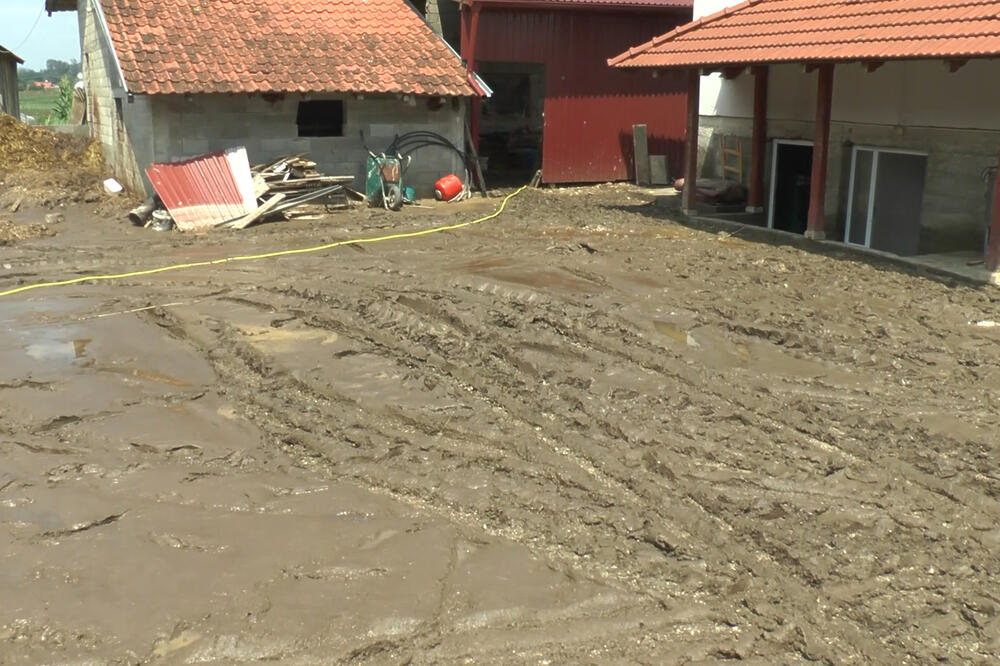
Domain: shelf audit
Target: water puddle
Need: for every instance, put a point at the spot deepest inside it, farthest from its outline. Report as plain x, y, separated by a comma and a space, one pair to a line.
50, 346
505, 270
675, 332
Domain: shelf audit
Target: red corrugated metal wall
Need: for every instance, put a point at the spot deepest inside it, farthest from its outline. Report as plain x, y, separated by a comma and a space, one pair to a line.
589, 107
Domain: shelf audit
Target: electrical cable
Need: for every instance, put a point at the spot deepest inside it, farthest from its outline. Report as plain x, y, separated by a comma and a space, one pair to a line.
31, 31
266, 255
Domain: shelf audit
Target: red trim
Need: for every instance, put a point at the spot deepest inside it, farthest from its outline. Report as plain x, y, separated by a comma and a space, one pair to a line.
476, 106
689, 199
679, 5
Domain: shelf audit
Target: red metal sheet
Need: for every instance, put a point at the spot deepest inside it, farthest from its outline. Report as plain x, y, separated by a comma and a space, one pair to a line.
203, 191
589, 107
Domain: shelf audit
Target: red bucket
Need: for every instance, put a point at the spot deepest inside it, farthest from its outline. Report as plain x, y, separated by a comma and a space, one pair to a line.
447, 188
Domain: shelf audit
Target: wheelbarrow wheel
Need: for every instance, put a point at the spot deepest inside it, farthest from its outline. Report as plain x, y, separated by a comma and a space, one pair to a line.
394, 196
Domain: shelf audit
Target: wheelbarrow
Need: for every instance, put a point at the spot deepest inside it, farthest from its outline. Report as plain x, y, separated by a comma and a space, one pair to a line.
384, 182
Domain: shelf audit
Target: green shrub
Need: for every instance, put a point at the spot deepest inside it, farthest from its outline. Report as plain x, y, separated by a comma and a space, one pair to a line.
63, 108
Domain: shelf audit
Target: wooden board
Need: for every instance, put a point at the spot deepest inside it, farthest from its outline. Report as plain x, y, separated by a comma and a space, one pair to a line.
641, 147
247, 220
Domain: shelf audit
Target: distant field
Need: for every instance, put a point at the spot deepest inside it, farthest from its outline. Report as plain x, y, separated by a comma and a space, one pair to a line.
39, 103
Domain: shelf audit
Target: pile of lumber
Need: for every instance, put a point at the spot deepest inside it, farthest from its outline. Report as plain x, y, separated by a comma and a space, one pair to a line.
292, 187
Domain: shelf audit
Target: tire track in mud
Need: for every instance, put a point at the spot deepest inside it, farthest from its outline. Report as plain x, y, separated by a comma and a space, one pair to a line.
434, 341
812, 443
623, 483
292, 432
276, 394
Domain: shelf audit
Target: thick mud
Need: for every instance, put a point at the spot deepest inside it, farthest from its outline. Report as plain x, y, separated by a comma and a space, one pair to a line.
578, 433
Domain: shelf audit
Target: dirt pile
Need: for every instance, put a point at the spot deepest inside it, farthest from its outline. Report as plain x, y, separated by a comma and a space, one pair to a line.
31, 147
43, 168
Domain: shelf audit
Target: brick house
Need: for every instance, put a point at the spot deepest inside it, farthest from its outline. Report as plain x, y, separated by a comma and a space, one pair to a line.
168, 80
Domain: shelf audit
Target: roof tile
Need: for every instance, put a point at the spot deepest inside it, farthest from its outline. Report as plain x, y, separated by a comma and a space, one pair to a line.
773, 31
191, 46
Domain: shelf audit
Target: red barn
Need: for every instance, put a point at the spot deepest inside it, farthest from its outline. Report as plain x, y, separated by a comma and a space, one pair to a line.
556, 104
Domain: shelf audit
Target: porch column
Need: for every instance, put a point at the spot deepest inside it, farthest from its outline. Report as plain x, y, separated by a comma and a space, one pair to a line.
689, 198
816, 224
755, 200
993, 248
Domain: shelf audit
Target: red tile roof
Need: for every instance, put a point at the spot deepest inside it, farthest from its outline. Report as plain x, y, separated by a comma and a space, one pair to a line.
772, 31
589, 4
228, 46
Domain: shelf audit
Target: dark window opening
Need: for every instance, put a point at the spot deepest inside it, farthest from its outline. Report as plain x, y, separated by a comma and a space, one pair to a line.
321, 118
119, 118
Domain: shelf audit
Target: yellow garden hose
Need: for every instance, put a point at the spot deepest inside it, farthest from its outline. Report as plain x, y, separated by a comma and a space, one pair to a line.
266, 255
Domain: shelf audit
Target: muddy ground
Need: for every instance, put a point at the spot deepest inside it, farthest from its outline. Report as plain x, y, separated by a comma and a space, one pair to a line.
579, 433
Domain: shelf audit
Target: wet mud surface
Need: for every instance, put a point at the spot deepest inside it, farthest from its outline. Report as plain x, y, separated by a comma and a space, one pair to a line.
578, 433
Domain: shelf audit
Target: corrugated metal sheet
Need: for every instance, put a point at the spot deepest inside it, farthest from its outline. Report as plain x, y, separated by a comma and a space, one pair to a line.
589, 107
773, 31
206, 190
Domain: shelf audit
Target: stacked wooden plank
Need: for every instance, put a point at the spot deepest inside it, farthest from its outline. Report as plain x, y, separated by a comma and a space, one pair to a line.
293, 187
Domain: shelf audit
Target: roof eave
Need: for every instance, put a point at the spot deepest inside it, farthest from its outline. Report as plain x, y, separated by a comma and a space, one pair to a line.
467, 90
604, 5
52, 6
19, 59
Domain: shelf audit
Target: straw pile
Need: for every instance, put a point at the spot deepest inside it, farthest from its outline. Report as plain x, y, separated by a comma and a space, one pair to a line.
10, 233
28, 147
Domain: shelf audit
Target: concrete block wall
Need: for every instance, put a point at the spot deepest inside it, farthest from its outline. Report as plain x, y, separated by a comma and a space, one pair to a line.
953, 204
126, 139
185, 126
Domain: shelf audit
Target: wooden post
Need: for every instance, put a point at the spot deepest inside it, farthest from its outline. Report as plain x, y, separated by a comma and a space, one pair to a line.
993, 247
689, 199
755, 200
816, 224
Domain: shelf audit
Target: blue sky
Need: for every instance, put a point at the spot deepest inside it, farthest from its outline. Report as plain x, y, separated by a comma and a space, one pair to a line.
54, 37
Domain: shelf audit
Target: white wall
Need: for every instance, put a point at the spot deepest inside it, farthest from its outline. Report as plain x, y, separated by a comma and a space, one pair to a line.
711, 85
918, 93
911, 105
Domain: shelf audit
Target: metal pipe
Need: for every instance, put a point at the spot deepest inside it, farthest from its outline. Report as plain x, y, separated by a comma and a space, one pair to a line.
141, 214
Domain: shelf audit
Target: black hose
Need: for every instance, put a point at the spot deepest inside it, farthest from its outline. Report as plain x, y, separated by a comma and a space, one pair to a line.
411, 142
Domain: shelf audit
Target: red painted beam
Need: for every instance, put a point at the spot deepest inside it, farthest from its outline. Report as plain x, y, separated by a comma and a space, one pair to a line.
993, 247
816, 224
755, 201
689, 199
470, 61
